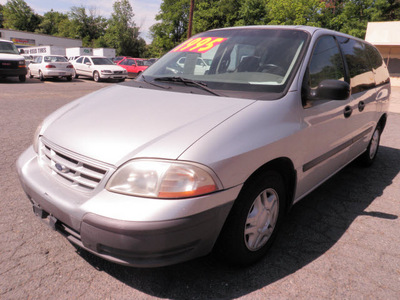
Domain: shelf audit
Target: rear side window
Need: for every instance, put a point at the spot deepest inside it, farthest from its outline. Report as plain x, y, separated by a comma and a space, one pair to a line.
357, 59
378, 66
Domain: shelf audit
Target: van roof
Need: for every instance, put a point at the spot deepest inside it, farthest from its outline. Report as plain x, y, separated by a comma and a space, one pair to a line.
1, 40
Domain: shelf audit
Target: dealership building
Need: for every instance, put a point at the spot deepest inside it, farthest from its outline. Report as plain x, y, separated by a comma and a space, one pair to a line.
386, 38
24, 39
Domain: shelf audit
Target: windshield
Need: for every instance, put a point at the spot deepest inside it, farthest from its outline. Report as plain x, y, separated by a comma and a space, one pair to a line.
239, 59
55, 59
6, 47
101, 61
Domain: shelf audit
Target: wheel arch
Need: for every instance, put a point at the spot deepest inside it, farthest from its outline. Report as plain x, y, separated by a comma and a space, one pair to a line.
284, 166
382, 122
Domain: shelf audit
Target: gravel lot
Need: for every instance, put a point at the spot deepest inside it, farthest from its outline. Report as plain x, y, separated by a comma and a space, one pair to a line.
341, 242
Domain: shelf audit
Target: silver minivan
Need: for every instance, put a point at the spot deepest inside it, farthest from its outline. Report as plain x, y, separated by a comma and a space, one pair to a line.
178, 163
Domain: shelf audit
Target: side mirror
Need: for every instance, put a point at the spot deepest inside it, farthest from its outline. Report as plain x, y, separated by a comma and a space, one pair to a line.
332, 90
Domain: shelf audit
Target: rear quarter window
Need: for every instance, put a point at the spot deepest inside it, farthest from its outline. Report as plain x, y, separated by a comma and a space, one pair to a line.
357, 59
378, 65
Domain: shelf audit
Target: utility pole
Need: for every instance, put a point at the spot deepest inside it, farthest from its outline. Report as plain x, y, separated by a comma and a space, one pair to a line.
190, 19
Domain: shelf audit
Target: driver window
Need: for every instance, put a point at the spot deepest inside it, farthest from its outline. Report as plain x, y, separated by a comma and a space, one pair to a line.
326, 63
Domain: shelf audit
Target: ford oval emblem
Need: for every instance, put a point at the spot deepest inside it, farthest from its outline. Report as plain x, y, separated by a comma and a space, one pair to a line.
61, 168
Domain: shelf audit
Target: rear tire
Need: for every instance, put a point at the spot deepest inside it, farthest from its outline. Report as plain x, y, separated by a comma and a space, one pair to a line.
368, 157
69, 78
41, 77
22, 78
253, 222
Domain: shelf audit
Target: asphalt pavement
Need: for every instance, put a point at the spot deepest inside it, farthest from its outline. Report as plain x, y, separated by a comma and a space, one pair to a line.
340, 242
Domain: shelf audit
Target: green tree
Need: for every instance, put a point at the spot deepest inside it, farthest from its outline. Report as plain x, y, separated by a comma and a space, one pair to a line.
210, 14
299, 12
87, 27
253, 12
172, 28
122, 33
1, 16
18, 15
51, 22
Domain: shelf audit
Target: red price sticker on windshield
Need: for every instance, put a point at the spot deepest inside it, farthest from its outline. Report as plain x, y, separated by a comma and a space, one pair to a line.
199, 45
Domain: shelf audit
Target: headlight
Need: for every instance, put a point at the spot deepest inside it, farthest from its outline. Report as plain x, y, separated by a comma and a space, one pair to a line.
106, 71
163, 179
36, 138
21, 64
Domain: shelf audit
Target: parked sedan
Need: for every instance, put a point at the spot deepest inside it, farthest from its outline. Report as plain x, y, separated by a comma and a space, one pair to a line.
50, 66
117, 59
99, 68
134, 66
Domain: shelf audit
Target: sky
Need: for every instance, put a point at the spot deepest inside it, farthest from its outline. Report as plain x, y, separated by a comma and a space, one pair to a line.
144, 10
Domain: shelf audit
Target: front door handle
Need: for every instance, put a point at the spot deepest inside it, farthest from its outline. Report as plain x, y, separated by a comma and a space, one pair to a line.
347, 111
361, 106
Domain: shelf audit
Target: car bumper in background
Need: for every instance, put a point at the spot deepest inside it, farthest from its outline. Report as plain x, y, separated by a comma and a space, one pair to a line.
50, 73
113, 76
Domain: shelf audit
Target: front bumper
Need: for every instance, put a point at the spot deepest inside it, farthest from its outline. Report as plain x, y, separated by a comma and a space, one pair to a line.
13, 72
152, 241
113, 76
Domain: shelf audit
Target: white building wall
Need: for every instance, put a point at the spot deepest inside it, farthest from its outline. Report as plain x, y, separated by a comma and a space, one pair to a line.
29, 39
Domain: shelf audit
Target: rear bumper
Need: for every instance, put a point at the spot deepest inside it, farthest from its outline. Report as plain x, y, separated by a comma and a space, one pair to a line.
50, 73
150, 242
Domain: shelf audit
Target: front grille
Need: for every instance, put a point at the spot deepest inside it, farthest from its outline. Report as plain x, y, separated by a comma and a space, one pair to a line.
71, 170
118, 72
8, 64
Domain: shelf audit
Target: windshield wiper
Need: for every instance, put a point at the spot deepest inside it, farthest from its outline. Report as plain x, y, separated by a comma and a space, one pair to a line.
155, 84
187, 82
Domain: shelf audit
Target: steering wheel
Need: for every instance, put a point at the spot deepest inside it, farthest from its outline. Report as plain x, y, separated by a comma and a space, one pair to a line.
270, 67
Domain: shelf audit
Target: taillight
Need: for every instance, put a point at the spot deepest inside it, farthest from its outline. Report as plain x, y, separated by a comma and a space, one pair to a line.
70, 67
50, 66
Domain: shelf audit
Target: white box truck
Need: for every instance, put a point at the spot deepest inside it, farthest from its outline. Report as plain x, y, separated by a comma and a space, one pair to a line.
107, 52
74, 52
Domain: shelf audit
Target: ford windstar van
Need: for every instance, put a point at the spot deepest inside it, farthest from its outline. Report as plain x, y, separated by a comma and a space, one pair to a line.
179, 163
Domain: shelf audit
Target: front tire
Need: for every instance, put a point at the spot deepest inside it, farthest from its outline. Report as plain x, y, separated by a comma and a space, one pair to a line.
96, 76
30, 74
253, 222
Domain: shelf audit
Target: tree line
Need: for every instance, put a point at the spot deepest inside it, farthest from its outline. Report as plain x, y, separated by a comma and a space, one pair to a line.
120, 31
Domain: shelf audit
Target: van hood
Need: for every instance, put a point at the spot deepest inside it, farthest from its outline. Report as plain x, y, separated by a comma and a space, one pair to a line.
7, 56
119, 123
